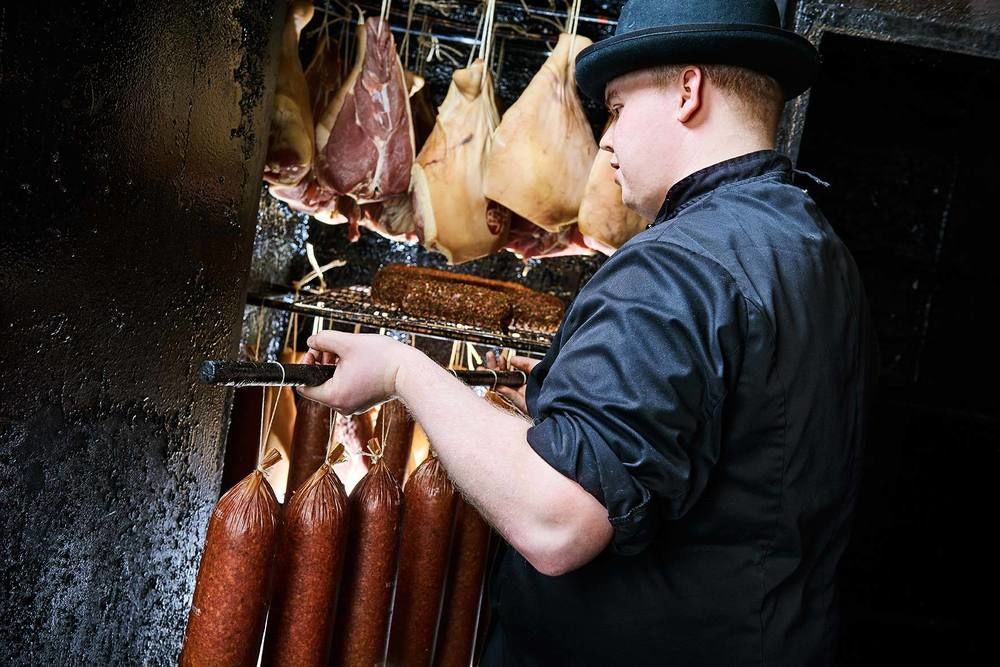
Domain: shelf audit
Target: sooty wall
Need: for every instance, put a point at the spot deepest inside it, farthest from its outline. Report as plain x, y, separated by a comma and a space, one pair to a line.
132, 144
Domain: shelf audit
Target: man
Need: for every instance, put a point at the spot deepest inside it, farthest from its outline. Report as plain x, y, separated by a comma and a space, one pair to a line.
682, 494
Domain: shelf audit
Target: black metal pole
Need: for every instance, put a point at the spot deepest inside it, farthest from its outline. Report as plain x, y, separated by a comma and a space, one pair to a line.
273, 374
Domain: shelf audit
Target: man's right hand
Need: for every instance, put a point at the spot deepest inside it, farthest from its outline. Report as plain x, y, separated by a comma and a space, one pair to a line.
515, 396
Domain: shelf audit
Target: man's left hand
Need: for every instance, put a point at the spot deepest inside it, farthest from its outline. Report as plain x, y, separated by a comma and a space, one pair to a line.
367, 365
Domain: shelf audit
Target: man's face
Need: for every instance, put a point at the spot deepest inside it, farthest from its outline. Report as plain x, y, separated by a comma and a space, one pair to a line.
640, 138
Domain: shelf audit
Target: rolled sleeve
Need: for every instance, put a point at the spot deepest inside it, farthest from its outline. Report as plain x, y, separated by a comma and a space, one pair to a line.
628, 406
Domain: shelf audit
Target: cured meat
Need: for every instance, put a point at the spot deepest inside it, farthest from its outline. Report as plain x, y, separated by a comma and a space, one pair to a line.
469, 550
307, 572
396, 221
365, 133
451, 210
544, 148
231, 593
369, 571
428, 514
605, 222
309, 442
308, 196
421, 109
323, 77
395, 427
291, 141
528, 241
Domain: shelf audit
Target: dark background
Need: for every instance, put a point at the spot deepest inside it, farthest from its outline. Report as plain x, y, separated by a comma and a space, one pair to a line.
132, 140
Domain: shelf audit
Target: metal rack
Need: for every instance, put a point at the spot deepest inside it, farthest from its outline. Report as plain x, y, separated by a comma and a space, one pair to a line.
352, 305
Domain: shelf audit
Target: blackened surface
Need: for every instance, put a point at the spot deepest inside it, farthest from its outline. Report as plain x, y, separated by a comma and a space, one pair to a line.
132, 153
962, 26
914, 197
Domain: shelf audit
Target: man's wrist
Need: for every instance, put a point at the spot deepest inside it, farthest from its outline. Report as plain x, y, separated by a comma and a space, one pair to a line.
406, 358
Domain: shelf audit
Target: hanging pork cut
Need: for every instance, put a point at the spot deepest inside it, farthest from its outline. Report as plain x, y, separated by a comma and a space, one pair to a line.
544, 147
324, 74
529, 241
605, 222
323, 77
290, 144
421, 109
365, 132
452, 214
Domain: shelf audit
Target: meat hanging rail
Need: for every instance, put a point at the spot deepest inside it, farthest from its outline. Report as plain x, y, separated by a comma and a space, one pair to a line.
275, 374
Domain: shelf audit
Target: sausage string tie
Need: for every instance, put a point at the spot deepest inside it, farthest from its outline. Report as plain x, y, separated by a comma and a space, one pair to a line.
264, 436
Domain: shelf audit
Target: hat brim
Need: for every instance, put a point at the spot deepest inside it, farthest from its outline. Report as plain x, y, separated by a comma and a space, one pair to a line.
787, 56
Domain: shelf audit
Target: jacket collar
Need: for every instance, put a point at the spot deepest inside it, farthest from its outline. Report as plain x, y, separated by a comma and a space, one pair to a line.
701, 183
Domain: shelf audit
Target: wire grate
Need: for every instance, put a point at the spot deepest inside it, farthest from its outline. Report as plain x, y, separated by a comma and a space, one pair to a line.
352, 305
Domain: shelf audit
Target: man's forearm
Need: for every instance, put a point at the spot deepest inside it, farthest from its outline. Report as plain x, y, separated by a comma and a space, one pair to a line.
549, 518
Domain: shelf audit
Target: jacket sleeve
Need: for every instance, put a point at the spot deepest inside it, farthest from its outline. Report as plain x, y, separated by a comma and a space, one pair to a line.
630, 405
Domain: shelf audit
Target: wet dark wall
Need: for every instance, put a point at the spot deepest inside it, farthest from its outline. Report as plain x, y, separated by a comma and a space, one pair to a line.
132, 146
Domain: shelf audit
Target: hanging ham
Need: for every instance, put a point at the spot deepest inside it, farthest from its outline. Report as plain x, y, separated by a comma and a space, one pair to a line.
323, 77
290, 144
421, 109
452, 214
605, 222
529, 241
544, 147
365, 132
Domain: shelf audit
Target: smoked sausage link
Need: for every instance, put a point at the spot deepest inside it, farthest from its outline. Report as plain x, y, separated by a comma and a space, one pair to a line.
428, 516
469, 550
395, 426
312, 433
307, 573
231, 594
359, 639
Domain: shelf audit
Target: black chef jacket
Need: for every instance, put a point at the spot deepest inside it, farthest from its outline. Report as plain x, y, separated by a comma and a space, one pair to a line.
708, 387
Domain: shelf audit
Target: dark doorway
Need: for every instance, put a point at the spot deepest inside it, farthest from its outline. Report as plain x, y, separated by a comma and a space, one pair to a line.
910, 141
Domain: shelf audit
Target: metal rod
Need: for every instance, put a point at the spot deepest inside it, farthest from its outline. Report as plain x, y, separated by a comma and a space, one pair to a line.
273, 374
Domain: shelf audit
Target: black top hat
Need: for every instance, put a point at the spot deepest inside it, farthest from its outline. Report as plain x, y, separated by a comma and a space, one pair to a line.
746, 33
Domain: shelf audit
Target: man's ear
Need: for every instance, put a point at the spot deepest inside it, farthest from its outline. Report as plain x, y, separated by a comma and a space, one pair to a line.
692, 80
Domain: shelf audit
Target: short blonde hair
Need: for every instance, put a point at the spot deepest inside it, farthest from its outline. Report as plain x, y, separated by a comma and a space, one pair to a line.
759, 96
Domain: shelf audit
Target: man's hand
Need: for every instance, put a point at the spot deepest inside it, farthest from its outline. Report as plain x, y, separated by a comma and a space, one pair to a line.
515, 396
367, 365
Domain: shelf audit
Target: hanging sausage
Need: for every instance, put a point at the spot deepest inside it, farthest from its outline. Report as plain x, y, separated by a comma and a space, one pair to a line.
231, 592
463, 593
307, 573
370, 569
395, 427
428, 515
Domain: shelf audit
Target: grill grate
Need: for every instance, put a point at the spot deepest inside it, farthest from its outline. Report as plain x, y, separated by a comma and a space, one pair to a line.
352, 305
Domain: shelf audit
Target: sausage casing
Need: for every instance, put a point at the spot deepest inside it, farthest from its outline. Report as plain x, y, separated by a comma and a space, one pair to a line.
307, 573
309, 443
463, 593
395, 427
231, 593
374, 505
428, 517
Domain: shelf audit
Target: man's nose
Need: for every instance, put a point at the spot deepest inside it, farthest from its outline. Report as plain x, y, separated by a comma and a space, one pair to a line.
605, 142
